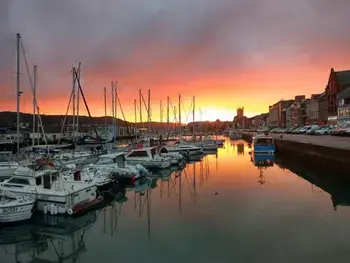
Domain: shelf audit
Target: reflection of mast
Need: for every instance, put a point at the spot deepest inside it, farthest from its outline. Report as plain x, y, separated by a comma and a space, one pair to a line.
194, 182
261, 179
180, 192
149, 213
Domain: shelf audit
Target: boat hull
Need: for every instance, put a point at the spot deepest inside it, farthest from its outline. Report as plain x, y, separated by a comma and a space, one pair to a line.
16, 213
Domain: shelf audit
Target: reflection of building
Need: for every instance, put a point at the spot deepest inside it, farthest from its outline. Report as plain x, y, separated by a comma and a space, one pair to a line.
344, 108
240, 149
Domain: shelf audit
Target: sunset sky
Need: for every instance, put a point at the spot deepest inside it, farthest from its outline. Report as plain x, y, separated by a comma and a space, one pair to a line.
227, 53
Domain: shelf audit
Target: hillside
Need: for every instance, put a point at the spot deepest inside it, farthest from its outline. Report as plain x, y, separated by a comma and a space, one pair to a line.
8, 119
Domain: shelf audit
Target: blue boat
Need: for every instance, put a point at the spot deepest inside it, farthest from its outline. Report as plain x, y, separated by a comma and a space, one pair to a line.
263, 144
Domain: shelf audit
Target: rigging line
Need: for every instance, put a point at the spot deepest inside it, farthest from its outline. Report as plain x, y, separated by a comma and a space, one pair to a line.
32, 87
121, 109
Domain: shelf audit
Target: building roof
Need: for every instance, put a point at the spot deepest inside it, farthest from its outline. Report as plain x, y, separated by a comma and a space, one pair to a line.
344, 94
343, 77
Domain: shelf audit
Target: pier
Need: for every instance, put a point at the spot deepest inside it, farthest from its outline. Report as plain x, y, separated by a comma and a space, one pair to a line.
315, 148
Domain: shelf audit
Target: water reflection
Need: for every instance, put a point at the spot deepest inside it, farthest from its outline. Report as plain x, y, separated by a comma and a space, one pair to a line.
262, 162
46, 239
201, 210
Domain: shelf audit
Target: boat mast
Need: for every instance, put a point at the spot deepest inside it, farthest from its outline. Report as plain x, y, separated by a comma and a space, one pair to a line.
78, 100
135, 111
74, 98
140, 98
180, 131
115, 109
18, 85
113, 120
193, 114
105, 103
34, 106
167, 113
149, 110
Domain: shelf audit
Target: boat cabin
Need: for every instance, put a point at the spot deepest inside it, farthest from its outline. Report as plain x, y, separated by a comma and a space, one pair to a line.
263, 144
143, 153
110, 159
26, 177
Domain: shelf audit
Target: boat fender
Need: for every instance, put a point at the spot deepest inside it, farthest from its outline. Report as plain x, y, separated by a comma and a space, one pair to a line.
55, 209
45, 209
70, 211
52, 210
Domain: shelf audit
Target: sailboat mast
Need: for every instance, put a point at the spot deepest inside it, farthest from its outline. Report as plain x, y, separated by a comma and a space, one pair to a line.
115, 109
140, 98
167, 112
34, 105
160, 111
193, 115
113, 113
180, 131
18, 85
105, 104
149, 110
73, 103
135, 111
78, 99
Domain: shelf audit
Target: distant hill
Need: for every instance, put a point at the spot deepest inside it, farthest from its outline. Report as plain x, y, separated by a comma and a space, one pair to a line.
8, 119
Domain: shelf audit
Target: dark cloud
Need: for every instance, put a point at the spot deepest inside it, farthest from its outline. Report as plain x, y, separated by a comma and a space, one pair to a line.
170, 43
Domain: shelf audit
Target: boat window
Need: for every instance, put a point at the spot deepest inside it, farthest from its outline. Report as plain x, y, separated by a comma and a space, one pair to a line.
19, 181
104, 160
38, 181
121, 161
138, 154
264, 142
163, 150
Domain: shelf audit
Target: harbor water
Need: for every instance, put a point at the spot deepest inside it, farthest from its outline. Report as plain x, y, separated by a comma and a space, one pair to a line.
223, 208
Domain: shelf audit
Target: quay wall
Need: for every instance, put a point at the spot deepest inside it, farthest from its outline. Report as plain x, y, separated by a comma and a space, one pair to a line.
311, 152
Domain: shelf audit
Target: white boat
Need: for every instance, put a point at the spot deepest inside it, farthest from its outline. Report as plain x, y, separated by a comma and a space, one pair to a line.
7, 166
15, 208
184, 148
207, 145
219, 142
234, 135
53, 194
75, 157
149, 157
116, 165
176, 158
71, 173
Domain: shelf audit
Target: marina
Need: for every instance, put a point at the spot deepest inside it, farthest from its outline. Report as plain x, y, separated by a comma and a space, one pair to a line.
256, 196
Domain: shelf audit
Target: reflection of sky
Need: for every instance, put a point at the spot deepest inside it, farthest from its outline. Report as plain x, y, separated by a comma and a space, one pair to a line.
280, 221
225, 216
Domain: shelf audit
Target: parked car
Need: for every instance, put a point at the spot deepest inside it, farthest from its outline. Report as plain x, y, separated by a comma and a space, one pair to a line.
347, 132
312, 129
296, 130
304, 129
325, 130
338, 131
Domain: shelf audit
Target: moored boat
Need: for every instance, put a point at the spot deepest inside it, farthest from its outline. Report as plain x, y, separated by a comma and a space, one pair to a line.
263, 144
15, 208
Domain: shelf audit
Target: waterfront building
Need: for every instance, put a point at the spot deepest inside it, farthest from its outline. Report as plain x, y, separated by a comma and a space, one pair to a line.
297, 112
337, 82
313, 110
277, 113
344, 108
323, 108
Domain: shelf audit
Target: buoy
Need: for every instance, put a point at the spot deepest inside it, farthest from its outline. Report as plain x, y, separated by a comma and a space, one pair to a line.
70, 211
45, 209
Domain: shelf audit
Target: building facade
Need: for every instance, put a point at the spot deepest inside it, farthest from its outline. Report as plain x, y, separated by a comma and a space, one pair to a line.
323, 108
312, 109
344, 108
337, 82
277, 113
